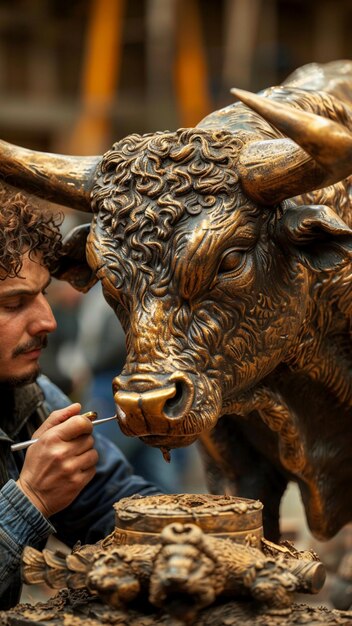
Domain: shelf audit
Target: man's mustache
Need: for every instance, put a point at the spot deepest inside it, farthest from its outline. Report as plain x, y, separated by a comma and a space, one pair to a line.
37, 343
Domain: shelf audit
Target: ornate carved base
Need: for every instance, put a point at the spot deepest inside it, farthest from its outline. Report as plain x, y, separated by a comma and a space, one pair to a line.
77, 608
174, 560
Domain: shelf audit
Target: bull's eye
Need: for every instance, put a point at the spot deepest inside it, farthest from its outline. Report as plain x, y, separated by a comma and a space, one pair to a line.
231, 261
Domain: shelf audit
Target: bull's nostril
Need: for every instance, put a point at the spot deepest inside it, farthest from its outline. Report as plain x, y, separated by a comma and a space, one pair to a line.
174, 406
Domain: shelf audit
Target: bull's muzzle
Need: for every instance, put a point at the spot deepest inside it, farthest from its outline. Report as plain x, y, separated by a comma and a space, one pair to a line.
153, 404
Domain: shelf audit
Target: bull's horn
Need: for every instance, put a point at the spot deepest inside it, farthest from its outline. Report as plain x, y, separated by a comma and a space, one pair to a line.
277, 169
62, 179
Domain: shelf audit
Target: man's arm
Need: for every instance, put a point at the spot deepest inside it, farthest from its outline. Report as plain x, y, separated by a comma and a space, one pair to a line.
21, 524
55, 470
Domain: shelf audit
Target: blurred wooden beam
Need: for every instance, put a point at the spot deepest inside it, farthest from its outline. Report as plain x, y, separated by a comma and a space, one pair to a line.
191, 76
100, 77
241, 25
160, 46
328, 31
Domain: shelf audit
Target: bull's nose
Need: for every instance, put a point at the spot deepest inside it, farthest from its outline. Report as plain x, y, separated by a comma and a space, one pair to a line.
180, 402
150, 404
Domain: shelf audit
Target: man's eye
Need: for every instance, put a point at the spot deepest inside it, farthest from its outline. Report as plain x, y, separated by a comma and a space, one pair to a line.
231, 261
13, 307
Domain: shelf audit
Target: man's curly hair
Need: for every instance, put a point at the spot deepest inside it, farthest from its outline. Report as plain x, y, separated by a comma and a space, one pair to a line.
26, 228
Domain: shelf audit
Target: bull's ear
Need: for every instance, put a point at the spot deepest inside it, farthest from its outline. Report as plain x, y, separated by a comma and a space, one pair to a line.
73, 266
322, 240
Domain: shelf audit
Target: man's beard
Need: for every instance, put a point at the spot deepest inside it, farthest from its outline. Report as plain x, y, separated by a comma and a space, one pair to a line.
34, 344
19, 381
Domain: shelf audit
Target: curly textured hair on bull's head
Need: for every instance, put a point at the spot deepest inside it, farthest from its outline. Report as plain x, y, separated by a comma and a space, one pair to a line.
166, 165
148, 184
26, 228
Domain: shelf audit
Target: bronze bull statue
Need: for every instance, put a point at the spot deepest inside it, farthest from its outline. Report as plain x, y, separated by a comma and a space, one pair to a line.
225, 252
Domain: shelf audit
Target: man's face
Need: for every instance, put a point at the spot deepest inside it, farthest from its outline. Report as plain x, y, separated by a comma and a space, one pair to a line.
25, 321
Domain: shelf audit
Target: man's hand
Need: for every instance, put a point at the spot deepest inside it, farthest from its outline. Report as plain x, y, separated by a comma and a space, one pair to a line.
61, 463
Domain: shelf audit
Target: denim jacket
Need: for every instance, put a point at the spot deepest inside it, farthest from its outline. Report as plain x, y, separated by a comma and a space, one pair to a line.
89, 518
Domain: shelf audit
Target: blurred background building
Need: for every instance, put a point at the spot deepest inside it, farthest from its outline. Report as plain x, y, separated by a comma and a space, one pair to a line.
76, 75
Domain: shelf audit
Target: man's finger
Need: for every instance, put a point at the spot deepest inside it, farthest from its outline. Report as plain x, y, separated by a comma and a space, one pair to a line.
74, 427
83, 444
88, 460
57, 417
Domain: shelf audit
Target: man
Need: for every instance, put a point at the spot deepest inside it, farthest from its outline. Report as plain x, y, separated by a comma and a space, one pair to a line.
67, 482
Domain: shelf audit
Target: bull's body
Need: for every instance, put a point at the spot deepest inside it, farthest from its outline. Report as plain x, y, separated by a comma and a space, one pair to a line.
236, 302
310, 390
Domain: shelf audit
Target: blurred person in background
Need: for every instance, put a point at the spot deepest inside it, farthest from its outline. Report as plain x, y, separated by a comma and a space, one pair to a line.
67, 482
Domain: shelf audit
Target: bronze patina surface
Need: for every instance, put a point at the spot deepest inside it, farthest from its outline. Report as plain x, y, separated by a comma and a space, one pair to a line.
77, 608
225, 250
142, 519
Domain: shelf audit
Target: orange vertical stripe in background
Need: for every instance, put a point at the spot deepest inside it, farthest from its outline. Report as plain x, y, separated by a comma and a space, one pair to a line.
100, 76
191, 78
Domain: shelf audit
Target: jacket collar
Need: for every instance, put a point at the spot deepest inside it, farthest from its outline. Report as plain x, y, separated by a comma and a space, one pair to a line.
18, 404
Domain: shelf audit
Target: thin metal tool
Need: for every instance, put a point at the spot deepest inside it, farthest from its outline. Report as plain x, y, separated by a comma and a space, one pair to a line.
25, 444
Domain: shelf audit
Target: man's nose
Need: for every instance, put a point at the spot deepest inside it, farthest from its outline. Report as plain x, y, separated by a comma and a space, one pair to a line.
43, 320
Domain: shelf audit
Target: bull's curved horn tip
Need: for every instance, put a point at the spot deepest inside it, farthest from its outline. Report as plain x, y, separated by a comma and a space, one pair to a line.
239, 93
242, 94
236, 91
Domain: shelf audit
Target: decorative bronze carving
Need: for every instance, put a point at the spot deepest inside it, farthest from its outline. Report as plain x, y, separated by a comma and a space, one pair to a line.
225, 251
140, 520
179, 568
78, 608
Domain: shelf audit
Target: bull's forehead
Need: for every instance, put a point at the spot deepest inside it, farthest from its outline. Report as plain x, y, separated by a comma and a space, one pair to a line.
166, 200
211, 234
188, 258
200, 248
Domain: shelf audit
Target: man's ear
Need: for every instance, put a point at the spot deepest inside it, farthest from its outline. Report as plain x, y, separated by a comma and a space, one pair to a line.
72, 265
320, 238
